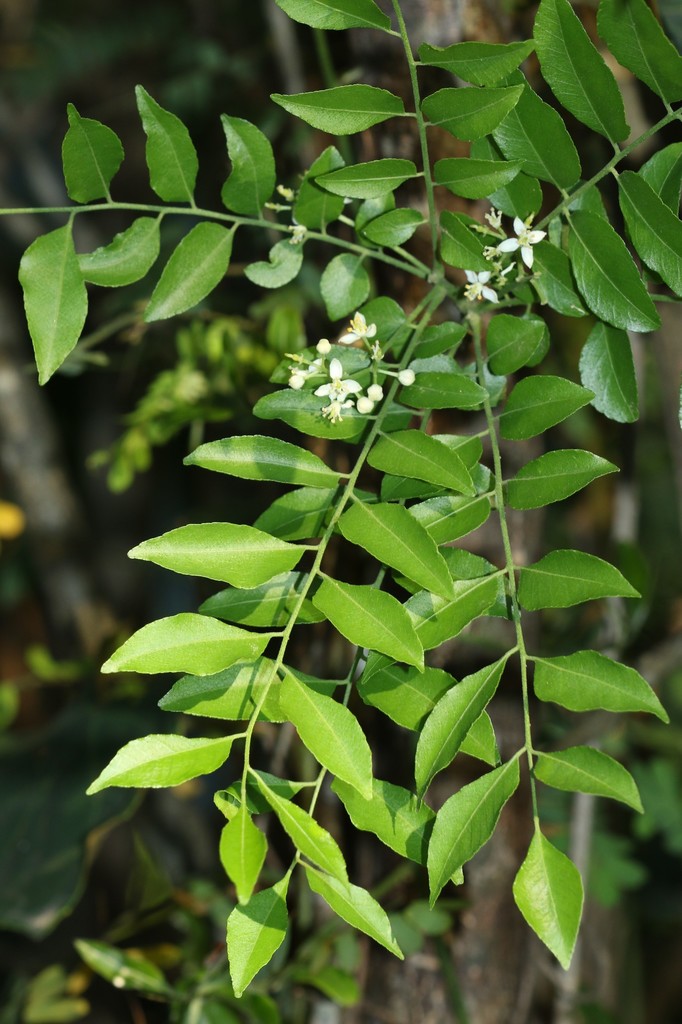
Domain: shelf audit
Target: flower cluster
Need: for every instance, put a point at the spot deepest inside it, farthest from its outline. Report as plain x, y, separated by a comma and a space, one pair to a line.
478, 285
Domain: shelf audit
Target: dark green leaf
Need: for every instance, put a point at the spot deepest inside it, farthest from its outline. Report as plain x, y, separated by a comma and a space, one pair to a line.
656, 232
405, 695
512, 342
344, 109
535, 133
474, 179
282, 265
253, 176
196, 266
417, 455
479, 63
460, 247
586, 770
393, 228
449, 517
314, 208
344, 285
171, 156
565, 578
553, 281
470, 113
522, 197
369, 180
449, 390
538, 403
126, 259
336, 14
635, 38
91, 155
663, 171
437, 619
256, 457
587, 681
608, 369
555, 476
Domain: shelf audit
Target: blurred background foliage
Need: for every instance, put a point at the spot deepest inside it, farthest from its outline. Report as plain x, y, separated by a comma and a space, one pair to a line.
112, 909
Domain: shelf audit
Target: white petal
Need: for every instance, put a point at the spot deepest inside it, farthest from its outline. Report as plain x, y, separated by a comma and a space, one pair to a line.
484, 276
335, 369
509, 245
536, 236
519, 226
490, 295
371, 331
348, 339
471, 276
351, 386
527, 255
323, 391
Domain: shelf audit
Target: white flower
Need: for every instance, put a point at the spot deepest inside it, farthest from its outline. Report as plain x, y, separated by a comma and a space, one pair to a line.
494, 218
358, 330
406, 377
365, 405
375, 393
525, 238
324, 346
477, 288
337, 390
333, 410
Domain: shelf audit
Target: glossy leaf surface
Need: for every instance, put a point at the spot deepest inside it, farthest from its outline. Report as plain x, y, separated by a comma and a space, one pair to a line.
586, 770
255, 931
538, 403
655, 231
470, 113
256, 457
555, 476
479, 63
307, 836
415, 454
126, 259
588, 680
635, 38
608, 369
565, 578
242, 853
335, 14
157, 761
171, 156
356, 907
196, 266
344, 109
369, 180
252, 180
91, 155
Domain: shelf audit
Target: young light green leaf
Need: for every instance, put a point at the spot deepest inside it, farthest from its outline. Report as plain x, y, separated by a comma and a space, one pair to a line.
607, 276
575, 71
466, 822
396, 816
565, 578
538, 403
255, 931
228, 552
369, 180
555, 476
419, 456
549, 893
271, 604
282, 265
663, 171
479, 63
185, 643
450, 390
242, 853
126, 259
122, 969
405, 695
344, 285
449, 517
393, 536
196, 266
474, 179
298, 515
535, 133
314, 208
307, 836
91, 156
171, 156
586, 770
335, 14
460, 247
512, 341
634, 36
480, 741
355, 906
256, 457
589, 681
656, 231
608, 369
370, 618
393, 228
437, 619
55, 298
330, 731
553, 281
344, 109
230, 695
253, 176
159, 761
470, 113
451, 720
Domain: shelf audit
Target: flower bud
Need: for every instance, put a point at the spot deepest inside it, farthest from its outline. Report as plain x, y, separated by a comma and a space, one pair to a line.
375, 392
324, 346
364, 405
296, 381
406, 377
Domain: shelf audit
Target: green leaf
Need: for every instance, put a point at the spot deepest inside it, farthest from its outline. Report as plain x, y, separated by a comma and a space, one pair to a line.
255, 931
586, 770
480, 741
479, 63
307, 836
656, 231
303, 411
314, 208
450, 721
522, 197
196, 266
391, 535
405, 695
282, 265
344, 109
55, 298
126, 259
329, 730
228, 552
419, 456
535, 133
439, 338
370, 618
437, 619
229, 695
460, 247
512, 342
123, 970
185, 643
393, 228
159, 761
608, 369
355, 906
466, 822
344, 285
607, 276
555, 476
449, 517
549, 893
270, 604
242, 853
298, 515
449, 390
396, 816
335, 14
575, 71
565, 578
470, 113
589, 681
553, 281
253, 176
538, 403
474, 179
256, 457
663, 171
91, 155
635, 38
171, 156
369, 180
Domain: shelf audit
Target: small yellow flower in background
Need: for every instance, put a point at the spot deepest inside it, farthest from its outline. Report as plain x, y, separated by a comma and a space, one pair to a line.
12, 521
358, 330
